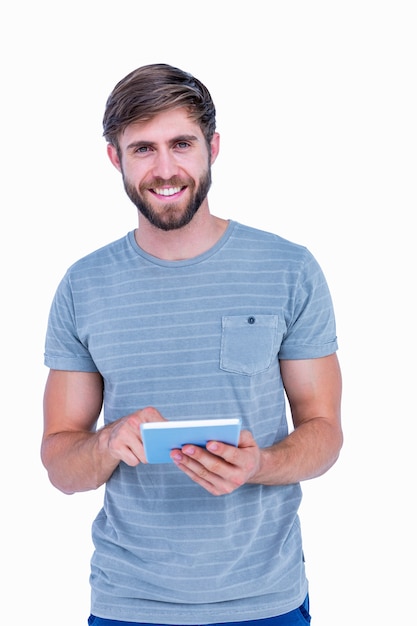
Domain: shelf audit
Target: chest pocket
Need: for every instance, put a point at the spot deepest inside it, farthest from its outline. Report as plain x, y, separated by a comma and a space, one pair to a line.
249, 344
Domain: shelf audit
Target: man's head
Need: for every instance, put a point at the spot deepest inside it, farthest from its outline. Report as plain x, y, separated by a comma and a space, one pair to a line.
154, 89
160, 127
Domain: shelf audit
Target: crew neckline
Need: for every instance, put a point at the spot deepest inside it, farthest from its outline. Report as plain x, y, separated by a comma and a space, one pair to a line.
183, 262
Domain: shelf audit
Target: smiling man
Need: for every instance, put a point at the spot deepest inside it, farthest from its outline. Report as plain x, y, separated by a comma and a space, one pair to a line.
167, 173
190, 316
168, 196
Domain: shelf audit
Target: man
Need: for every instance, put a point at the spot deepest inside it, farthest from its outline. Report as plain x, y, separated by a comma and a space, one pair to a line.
190, 317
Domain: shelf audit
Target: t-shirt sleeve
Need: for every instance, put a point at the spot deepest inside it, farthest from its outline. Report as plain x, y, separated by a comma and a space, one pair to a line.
311, 327
63, 348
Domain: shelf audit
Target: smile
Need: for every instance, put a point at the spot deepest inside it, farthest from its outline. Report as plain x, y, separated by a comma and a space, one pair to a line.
169, 191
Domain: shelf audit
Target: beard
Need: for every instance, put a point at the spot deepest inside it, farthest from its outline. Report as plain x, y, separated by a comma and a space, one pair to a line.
171, 216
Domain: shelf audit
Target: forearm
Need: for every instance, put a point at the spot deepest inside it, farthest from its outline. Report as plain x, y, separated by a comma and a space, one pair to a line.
78, 461
309, 451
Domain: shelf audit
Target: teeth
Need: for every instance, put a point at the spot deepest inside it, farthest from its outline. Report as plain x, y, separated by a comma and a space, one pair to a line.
167, 192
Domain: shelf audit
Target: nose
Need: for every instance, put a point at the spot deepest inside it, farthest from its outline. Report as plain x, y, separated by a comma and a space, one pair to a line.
165, 165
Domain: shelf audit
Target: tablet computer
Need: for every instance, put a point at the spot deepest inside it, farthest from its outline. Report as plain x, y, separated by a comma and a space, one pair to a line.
159, 438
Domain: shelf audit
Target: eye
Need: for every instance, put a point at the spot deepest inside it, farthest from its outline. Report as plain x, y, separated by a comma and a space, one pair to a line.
182, 145
142, 149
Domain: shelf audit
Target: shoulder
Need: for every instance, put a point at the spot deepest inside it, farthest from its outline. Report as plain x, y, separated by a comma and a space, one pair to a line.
99, 261
269, 245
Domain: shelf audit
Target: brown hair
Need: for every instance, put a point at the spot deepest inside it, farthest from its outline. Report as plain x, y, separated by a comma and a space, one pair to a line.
154, 89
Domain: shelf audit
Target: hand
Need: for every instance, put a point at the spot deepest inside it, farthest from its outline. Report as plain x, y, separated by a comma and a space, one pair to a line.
220, 468
122, 438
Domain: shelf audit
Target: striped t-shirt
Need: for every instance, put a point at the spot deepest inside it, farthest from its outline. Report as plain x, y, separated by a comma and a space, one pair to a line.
197, 338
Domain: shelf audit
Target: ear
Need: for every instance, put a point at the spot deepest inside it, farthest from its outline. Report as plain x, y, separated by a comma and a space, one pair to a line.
113, 156
214, 147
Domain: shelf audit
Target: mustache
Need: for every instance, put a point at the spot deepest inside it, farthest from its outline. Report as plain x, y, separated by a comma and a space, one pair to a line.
174, 181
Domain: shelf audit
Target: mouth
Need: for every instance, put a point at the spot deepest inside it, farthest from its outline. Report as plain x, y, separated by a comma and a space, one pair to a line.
166, 192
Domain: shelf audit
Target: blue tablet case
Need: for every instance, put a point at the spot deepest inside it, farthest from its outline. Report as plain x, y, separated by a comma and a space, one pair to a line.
159, 438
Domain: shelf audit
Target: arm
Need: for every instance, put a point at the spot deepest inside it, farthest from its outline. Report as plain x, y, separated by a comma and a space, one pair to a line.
77, 456
313, 388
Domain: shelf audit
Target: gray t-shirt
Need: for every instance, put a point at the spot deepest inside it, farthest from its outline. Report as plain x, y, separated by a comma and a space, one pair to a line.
198, 338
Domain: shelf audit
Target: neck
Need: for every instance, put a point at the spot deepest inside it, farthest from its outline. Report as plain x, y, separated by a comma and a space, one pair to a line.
201, 234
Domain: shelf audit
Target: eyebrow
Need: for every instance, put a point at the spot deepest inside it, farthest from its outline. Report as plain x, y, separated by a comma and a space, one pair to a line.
137, 144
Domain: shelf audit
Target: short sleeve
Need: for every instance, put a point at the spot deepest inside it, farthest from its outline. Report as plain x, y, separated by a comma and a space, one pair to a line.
311, 329
63, 348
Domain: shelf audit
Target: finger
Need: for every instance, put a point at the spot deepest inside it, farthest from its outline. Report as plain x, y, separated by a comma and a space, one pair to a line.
213, 483
208, 468
231, 453
198, 461
125, 443
227, 452
148, 414
127, 449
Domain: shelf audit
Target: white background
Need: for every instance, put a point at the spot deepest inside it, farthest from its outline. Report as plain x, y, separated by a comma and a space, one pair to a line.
317, 110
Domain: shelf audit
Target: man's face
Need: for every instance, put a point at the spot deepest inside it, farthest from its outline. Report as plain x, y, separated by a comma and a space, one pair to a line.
166, 168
